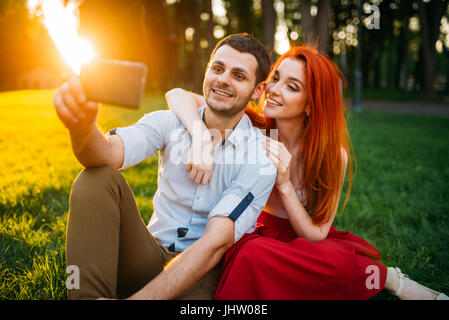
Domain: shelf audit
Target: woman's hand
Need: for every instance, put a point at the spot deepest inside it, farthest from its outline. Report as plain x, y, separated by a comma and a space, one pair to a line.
200, 161
281, 158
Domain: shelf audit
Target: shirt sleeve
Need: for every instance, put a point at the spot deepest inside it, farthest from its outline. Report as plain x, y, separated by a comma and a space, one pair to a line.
142, 139
247, 195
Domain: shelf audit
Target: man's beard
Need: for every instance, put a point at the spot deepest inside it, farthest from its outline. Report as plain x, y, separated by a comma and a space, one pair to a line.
231, 112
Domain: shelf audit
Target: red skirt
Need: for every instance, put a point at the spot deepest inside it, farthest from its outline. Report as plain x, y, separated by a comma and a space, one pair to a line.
272, 263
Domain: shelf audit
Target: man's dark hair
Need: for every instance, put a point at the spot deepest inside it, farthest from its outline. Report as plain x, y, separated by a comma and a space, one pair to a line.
243, 42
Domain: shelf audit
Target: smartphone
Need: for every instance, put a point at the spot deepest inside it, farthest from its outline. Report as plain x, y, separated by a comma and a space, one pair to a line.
115, 82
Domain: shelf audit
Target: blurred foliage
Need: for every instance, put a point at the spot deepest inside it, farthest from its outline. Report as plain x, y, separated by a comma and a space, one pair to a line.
175, 37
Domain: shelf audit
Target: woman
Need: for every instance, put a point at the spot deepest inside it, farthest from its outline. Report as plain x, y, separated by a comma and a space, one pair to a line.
295, 252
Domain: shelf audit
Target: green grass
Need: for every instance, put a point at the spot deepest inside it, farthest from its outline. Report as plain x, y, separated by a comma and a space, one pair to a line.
399, 202
400, 199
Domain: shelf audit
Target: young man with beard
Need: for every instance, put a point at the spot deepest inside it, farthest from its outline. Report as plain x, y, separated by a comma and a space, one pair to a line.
178, 254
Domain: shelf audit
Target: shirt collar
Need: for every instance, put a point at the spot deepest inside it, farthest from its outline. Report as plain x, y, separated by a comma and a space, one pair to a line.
238, 133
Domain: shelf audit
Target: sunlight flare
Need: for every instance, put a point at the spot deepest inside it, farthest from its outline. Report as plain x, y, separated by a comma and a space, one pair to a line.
62, 24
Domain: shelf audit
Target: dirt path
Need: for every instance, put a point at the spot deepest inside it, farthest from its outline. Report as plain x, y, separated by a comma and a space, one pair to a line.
408, 107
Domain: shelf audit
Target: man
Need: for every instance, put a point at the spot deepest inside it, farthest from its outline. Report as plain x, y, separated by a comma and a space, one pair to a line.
192, 226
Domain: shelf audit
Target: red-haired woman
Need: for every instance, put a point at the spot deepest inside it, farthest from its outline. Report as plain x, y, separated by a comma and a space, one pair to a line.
295, 252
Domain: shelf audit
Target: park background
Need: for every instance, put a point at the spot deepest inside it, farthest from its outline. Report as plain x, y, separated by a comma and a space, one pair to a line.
399, 124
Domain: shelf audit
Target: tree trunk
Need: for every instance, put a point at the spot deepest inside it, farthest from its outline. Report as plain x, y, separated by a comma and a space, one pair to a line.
174, 45
160, 48
403, 54
343, 62
307, 23
446, 53
315, 30
269, 24
419, 78
245, 16
210, 27
230, 15
197, 65
377, 75
322, 25
430, 18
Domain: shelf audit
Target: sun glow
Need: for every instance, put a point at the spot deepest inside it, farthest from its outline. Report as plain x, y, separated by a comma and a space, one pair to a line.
62, 24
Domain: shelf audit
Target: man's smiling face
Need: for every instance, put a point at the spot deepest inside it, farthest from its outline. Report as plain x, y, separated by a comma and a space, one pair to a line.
230, 81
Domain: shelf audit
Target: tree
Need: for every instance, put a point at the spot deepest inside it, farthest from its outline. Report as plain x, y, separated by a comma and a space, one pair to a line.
190, 54
405, 11
210, 27
198, 72
430, 15
160, 43
269, 23
315, 29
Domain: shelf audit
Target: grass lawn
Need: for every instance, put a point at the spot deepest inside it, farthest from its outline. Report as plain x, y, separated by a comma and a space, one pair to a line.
399, 202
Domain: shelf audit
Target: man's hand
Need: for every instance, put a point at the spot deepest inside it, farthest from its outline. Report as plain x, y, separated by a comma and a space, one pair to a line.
188, 267
75, 112
90, 146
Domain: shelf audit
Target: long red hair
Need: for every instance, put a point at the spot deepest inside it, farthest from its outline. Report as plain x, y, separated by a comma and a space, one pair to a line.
325, 133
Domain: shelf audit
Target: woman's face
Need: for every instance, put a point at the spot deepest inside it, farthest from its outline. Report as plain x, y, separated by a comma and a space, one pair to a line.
286, 92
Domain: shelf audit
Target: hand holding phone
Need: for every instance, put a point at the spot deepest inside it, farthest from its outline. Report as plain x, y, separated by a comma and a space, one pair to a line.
72, 107
109, 81
114, 82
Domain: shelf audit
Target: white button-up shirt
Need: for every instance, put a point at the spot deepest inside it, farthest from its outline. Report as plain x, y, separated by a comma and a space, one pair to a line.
241, 182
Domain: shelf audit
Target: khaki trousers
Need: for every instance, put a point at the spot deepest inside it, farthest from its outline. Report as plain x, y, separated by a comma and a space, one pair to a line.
110, 244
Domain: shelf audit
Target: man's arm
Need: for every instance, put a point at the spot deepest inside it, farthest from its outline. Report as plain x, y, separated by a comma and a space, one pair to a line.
93, 149
89, 145
188, 267
233, 216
